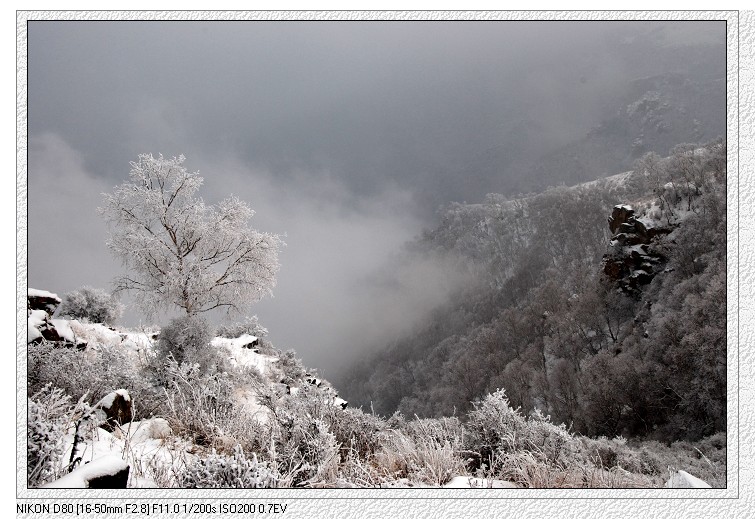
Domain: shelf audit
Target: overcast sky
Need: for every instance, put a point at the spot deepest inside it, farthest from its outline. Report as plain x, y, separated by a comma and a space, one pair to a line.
345, 136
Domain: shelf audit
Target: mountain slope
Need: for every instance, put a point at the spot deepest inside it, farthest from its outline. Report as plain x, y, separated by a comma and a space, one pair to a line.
551, 322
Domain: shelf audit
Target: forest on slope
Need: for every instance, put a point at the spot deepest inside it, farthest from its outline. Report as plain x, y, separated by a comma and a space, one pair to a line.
610, 328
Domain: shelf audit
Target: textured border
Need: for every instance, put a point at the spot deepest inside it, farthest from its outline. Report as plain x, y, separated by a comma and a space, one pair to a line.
448, 502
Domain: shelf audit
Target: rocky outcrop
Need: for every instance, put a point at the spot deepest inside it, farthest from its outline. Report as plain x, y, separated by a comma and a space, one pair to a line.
635, 258
41, 305
42, 300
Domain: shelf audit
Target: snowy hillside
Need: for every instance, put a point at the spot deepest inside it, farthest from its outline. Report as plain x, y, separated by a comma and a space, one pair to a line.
102, 412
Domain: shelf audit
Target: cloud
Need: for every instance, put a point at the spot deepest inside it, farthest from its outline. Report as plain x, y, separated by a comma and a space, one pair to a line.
66, 247
429, 106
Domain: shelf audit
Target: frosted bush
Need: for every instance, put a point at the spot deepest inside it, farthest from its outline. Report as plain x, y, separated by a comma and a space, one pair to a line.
423, 460
356, 431
440, 430
291, 366
91, 304
306, 451
249, 326
198, 404
303, 445
235, 471
47, 421
494, 426
186, 339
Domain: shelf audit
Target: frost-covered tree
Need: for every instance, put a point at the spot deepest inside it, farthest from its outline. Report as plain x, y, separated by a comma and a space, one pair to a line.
182, 252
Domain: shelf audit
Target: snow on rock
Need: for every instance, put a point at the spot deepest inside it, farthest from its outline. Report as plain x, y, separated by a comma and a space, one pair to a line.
109, 471
32, 333
33, 292
42, 300
63, 327
40, 326
682, 479
117, 406
152, 459
470, 482
35, 322
37, 318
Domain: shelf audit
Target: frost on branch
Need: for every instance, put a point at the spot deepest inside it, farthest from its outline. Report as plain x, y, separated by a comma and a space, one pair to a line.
180, 251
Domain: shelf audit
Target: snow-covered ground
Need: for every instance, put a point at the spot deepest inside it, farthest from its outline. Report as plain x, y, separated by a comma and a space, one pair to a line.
242, 354
156, 455
149, 447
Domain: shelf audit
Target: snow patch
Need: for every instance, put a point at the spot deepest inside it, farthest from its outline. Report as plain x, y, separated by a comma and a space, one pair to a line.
241, 356
682, 479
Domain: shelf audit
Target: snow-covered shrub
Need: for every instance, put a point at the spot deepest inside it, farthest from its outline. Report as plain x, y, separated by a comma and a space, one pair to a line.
552, 442
354, 471
91, 304
198, 404
46, 424
291, 366
356, 432
440, 430
186, 339
69, 369
424, 459
249, 326
494, 426
303, 446
235, 471
706, 458
609, 453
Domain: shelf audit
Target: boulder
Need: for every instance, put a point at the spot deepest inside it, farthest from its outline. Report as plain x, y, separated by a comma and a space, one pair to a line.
56, 331
117, 408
